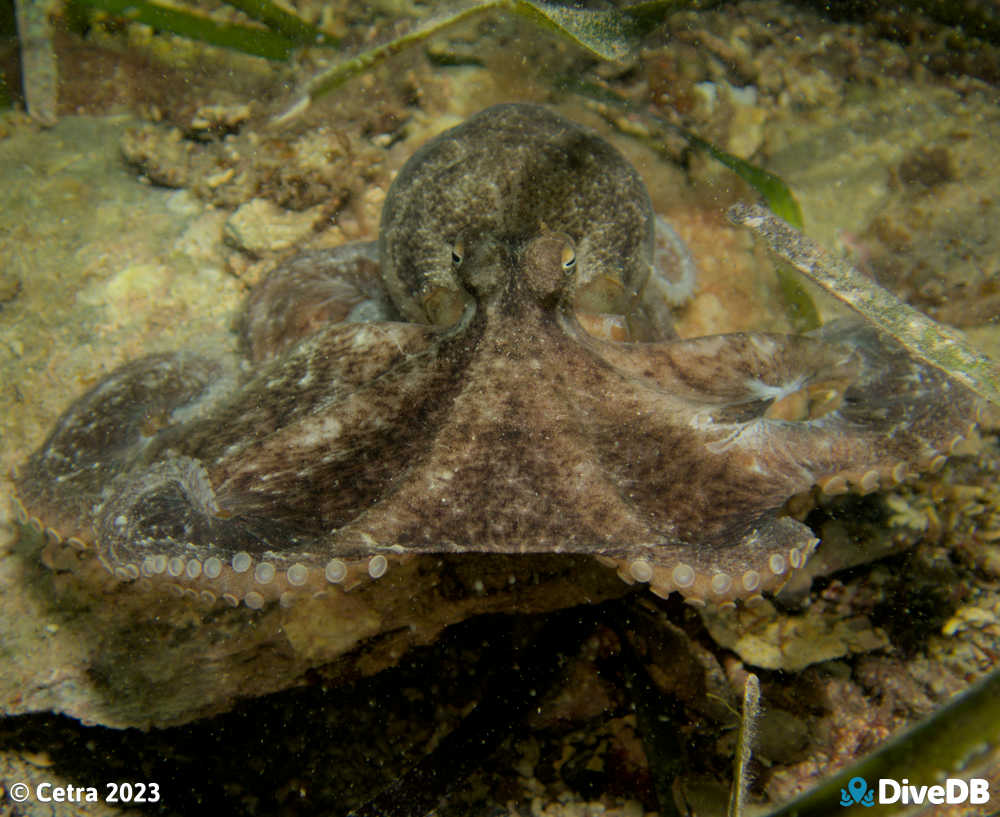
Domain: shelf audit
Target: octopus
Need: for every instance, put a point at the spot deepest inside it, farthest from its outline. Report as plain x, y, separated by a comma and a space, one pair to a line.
497, 374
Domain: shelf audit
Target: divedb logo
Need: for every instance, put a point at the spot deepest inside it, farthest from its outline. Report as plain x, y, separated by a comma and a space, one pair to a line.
954, 790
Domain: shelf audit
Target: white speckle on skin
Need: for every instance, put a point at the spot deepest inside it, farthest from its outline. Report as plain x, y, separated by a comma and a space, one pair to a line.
316, 431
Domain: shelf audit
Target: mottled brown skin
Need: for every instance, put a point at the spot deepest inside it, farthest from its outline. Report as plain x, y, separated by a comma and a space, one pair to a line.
505, 427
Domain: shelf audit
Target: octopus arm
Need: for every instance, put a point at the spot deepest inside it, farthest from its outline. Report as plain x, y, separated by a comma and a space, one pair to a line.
311, 291
108, 430
846, 400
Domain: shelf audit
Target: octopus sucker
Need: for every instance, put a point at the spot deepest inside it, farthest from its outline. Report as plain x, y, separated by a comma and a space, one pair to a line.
869, 482
936, 463
297, 574
497, 374
834, 485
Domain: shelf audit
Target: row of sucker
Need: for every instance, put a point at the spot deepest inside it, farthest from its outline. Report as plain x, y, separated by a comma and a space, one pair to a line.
716, 587
254, 582
875, 479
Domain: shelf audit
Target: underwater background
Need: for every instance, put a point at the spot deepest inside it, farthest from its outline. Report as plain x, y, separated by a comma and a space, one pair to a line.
157, 161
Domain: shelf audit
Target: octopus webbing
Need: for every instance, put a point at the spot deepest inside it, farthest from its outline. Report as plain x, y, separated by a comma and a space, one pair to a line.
499, 374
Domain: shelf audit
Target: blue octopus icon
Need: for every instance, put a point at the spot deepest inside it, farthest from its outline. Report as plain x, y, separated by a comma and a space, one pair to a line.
857, 791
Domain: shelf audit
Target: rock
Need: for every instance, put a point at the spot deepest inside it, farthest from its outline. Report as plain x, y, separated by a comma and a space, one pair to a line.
260, 226
765, 638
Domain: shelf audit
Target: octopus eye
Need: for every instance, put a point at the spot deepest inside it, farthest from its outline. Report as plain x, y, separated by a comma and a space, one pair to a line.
457, 253
568, 258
